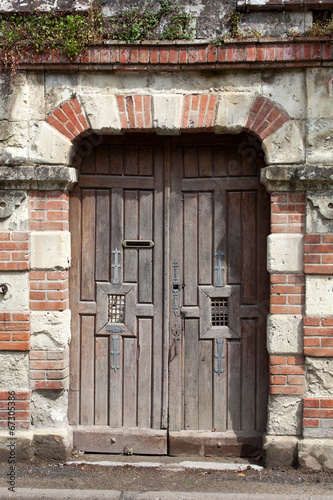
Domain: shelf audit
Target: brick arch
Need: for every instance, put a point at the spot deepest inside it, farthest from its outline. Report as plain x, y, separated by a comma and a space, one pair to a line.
176, 113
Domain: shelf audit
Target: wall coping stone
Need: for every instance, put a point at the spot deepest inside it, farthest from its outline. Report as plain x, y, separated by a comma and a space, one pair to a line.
41, 177
297, 177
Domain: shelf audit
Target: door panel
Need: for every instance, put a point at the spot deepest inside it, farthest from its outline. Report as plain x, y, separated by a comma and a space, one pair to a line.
169, 338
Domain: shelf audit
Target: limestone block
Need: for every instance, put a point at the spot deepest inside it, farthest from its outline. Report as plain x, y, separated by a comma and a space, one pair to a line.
280, 451
315, 454
102, 113
49, 146
284, 334
232, 113
50, 329
288, 89
24, 449
319, 212
36, 95
284, 415
49, 409
14, 370
285, 145
17, 297
285, 253
59, 87
13, 98
14, 138
319, 295
319, 147
318, 377
50, 249
53, 444
167, 112
18, 220
319, 95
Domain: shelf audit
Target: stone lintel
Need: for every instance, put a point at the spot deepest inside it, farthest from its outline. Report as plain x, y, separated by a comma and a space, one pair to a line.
297, 177
41, 177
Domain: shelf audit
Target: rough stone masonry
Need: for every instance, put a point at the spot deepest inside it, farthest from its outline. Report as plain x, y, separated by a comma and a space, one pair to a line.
279, 89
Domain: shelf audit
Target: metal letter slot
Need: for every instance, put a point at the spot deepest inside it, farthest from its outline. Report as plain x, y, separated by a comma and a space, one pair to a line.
116, 266
138, 243
114, 352
219, 268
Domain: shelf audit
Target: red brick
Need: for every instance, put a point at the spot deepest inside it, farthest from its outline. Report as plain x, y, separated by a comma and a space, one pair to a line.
327, 321
312, 238
326, 403
309, 422
317, 413
311, 403
37, 355
326, 238
278, 360
278, 380
144, 55
57, 125
285, 389
295, 360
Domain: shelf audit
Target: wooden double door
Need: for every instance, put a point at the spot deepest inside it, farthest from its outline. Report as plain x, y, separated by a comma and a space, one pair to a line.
169, 293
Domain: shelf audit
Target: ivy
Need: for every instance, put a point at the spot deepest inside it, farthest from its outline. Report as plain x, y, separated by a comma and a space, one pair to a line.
70, 33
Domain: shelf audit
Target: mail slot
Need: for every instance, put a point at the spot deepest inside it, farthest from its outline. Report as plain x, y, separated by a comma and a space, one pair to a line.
138, 243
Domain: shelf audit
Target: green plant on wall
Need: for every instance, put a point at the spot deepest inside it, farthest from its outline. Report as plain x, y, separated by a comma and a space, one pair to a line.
70, 33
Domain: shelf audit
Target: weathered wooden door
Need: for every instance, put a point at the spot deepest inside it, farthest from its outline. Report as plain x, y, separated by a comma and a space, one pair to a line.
168, 291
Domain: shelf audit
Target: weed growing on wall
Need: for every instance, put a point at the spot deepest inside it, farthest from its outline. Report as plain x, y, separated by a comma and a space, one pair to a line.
71, 32
322, 28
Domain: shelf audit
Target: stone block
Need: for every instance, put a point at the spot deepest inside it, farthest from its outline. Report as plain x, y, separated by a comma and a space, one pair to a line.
319, 95
285, 253
280, 451
59, 87
17, 297
24, 449
14, 139
284, 415
167, 112
49, 409
315, 454
232, 113
18, 220
319, 377
49, 146
284, 334
14, 370
14, 98
36, 95
50, 329
319, 295
102, 113
285, 145
53, 444
319, 148
286, 89
319, 212
50, 249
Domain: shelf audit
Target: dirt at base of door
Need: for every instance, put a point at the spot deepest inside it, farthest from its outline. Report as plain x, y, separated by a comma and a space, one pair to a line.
129, 478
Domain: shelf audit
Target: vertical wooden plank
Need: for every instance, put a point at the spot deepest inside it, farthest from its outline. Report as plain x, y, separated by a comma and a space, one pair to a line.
103, 235
249, 249
205, 238
145, 285
220, 233
191, 374
116, 384
145, 160
205, 385
131, 233
131, 154
87, 370
219, 161
191, 162
130, 382
117, 228
102, 159
74, 297
191, 248
205, 162
88, 162
220, 389
101, 381
234, 386
234, 237
176, 378
248, 374
233, 162
116, 160
88, 245
249, 165
144, 372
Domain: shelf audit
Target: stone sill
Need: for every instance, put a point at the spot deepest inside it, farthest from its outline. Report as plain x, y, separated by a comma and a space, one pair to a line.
41, 177
297, 177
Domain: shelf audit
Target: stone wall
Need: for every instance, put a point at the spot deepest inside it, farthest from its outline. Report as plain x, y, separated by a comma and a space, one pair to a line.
279, 92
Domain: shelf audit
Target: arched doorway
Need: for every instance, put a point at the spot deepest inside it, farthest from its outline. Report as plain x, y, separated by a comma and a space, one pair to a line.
169, 294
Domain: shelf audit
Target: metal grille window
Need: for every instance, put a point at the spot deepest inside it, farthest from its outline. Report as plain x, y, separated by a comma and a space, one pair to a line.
116, 309
219, 312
